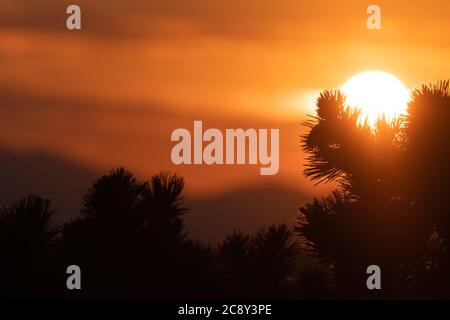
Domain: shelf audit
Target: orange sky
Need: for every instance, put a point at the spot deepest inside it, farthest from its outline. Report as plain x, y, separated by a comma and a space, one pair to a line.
111, 94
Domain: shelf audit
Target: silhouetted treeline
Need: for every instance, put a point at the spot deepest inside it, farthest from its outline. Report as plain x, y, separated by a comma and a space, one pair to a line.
390, 209
130, 242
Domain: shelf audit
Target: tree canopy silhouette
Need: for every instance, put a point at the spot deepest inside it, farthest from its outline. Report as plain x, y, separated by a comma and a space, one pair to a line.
28, 241
389, 206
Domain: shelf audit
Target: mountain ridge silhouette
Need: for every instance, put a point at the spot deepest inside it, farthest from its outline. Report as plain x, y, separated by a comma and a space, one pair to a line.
210, 218
245, 209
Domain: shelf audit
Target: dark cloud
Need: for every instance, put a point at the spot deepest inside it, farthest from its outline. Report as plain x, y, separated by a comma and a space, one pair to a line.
115, 18
35, 115
166, 19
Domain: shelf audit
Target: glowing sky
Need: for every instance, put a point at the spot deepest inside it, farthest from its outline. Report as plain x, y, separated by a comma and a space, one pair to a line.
112, 93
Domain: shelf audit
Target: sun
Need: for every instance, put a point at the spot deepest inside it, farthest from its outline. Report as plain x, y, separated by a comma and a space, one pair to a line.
376, 94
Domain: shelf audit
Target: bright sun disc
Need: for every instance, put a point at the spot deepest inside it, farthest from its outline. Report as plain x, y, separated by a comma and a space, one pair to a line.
376, 93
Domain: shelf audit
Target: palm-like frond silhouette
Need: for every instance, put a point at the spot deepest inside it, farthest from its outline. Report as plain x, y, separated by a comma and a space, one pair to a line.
235, 253
137, 228
341, 148
392, 181
28, 241
31, 219
115, 195
276, 249
259, 265
428, 142
163, 207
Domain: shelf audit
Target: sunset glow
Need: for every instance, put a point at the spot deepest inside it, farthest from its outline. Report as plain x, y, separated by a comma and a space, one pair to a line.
377, 94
